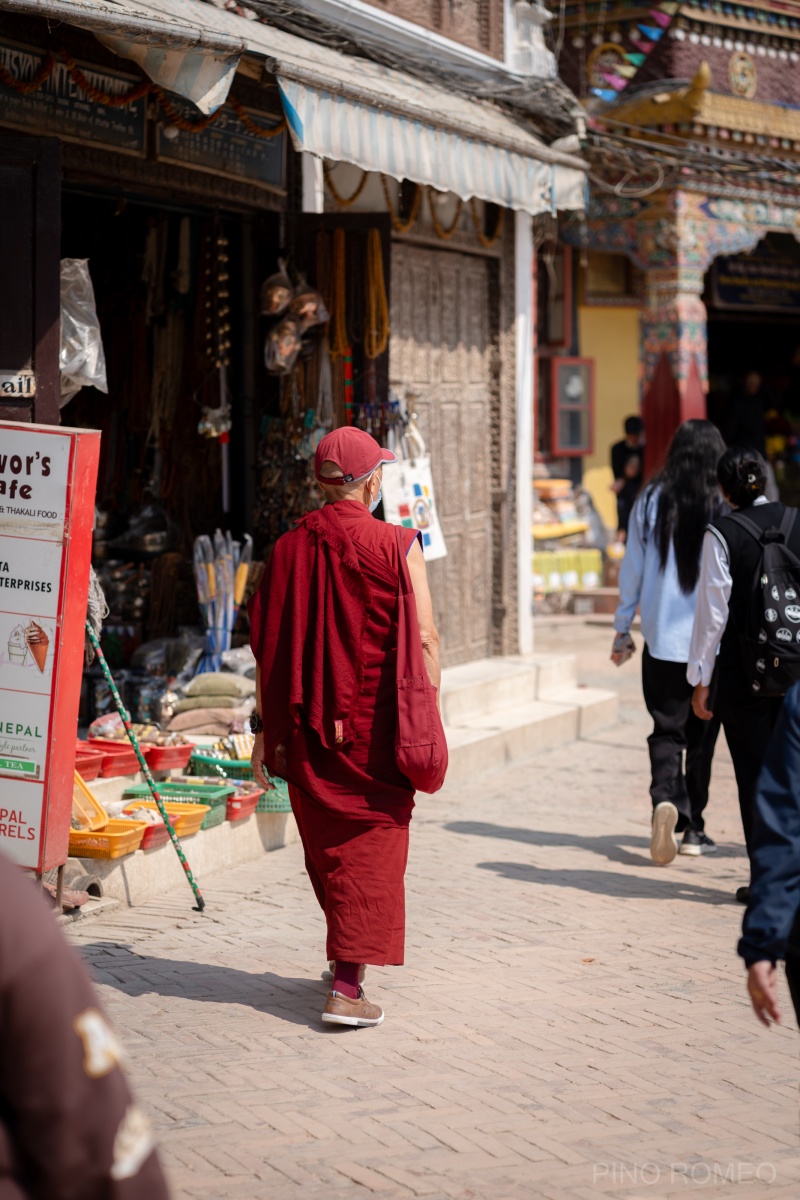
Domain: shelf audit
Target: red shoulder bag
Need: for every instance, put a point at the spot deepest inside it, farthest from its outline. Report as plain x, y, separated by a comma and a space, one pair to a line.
420, 745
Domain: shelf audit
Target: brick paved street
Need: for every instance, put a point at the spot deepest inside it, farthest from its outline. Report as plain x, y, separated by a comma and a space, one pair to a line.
571, 1021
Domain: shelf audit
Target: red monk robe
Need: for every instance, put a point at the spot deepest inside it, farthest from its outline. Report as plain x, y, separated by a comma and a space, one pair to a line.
323, 630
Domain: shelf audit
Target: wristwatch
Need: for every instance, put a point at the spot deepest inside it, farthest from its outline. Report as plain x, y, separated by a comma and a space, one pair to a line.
256, 724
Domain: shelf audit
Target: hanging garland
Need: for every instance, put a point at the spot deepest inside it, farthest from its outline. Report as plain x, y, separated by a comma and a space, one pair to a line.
398, 224
260, 131
137, 92
24, 89
376, 317
439, 229
485, 241
343, 201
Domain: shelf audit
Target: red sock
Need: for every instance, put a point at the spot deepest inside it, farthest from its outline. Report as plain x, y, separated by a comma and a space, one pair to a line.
345, 979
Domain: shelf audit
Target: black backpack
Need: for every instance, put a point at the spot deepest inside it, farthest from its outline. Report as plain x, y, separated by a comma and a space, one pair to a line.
770, 642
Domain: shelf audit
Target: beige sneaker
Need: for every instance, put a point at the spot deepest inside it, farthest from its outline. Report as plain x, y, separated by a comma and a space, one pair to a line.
328, 975
663, 843
341, 1010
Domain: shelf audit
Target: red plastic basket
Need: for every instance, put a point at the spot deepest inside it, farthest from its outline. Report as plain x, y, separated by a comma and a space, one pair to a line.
118, 758
155, 835
88, 762
242, 805
165, 758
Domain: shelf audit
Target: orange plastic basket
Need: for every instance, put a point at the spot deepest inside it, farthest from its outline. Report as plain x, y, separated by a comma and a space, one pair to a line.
86, 810
186, 818
118, 839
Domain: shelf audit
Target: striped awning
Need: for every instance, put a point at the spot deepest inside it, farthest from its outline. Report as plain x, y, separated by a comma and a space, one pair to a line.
512, 171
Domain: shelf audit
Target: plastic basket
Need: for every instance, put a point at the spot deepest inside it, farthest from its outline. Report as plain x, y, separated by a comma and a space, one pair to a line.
226, 768
116, 840
88, 761
189, 793
241, 806
118, 758
277, 800
167, 758
235, 769
187, 819
86, 810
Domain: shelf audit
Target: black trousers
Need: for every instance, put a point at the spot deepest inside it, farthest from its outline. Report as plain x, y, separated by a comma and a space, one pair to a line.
677, 731
748, 721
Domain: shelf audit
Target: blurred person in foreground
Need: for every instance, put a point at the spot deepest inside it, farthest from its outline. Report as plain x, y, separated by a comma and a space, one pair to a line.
70, 1128
324, 632
771, 926
659, 577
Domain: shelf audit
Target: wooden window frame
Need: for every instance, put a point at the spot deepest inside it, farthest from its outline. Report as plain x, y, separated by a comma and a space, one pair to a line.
556, 449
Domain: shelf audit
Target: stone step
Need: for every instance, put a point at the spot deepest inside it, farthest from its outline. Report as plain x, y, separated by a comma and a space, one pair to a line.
485, 743
477, 688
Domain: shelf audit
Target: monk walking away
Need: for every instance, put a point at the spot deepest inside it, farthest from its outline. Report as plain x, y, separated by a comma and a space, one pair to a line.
343, 603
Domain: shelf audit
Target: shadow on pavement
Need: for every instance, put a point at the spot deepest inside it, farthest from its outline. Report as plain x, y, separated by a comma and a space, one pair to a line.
666, 886
607, 845
299, 1001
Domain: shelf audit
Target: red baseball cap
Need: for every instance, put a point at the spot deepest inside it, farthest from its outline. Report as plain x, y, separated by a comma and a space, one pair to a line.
355, 452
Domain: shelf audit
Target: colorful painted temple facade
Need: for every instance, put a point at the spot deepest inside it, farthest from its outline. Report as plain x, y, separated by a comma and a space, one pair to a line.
693, 132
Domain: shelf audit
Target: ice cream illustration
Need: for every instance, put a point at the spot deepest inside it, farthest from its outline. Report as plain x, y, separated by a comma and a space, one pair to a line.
17, 646
37, 642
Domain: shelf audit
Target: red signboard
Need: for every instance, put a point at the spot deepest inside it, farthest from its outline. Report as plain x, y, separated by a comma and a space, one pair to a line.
47, 490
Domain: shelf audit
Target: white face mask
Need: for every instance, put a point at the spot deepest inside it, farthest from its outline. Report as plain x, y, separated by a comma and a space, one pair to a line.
377, 499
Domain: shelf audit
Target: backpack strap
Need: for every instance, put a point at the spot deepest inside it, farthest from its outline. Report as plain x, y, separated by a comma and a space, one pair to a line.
747, 524
787, 523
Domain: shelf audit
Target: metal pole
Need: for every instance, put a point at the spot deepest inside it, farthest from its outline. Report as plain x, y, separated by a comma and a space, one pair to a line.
126, 721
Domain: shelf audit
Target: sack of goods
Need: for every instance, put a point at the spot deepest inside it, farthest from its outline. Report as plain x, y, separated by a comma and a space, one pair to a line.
214, 704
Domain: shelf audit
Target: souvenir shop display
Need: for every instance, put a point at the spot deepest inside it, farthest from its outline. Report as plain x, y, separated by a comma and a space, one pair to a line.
408, 497
221, 568
328, 344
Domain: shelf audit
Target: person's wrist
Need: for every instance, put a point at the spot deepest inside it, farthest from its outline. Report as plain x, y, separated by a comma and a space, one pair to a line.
256, 724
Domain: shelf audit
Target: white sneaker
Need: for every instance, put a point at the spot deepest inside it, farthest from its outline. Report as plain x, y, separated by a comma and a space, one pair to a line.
328, 975
663, 843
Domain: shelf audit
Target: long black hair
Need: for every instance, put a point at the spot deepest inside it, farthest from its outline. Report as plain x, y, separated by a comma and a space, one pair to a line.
742, 474
688, 497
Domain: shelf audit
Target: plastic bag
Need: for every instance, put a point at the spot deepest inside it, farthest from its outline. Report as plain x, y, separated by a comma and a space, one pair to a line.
308, 307
82, 359
282, 346
276, 292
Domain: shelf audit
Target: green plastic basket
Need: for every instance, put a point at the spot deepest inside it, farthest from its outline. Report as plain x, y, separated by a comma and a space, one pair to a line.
189, 793
277, 801
236, 769
226, 768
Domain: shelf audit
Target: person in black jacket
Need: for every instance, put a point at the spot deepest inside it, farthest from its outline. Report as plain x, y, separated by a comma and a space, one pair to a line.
771, 927
730, 558
628, 467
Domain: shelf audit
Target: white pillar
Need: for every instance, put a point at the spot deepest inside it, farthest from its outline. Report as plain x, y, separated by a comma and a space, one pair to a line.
524, 309
313, 184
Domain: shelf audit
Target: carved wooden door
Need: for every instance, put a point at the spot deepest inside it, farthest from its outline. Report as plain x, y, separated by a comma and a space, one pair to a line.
440, 354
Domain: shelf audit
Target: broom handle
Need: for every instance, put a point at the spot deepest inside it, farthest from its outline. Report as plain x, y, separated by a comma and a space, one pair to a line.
126, 721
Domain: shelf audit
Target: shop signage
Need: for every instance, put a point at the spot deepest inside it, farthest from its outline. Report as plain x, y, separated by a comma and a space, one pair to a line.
60, 106
227, 147
766, 280
47, 486
15, 385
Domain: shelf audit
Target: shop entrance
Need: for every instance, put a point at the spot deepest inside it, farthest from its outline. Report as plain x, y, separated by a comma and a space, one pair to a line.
753, 303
